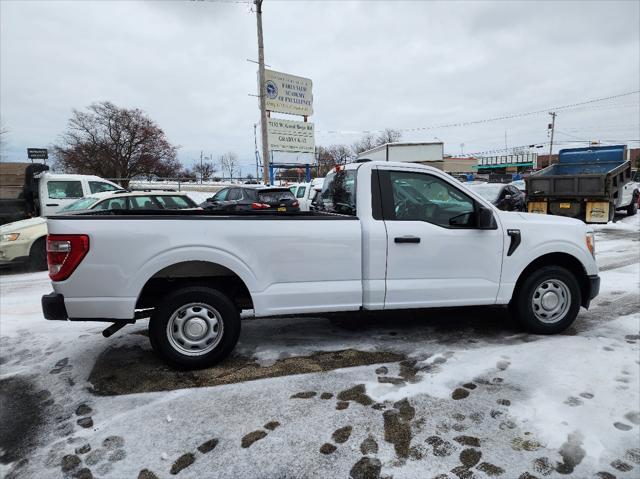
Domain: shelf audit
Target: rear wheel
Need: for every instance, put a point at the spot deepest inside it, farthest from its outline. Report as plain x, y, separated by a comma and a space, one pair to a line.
194, 327
38, 255
548, 300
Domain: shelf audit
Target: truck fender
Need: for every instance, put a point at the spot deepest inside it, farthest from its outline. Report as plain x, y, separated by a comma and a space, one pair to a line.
194, 253
513, 272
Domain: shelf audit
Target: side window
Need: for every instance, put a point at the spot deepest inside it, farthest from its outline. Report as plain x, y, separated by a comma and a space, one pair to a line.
423, 197
100, 186
301, 190
221, 195
142, 203
338, 193
173, 202
111, 204
59, 190
234, 194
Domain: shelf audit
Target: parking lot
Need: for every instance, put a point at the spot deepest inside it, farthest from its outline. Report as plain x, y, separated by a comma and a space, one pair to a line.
448, 393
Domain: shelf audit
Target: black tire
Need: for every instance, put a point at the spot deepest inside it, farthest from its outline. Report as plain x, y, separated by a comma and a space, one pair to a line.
522, 304
632, 209
38, 255
168, 348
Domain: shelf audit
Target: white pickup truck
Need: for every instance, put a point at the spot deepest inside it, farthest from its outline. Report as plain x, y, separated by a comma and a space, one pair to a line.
387, 236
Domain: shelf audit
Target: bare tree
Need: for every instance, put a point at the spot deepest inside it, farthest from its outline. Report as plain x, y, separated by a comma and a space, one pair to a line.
204, 170
363, 144
115, 142
389, 135
229, 164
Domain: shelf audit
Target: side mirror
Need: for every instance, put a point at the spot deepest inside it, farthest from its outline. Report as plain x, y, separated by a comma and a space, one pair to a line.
486, 221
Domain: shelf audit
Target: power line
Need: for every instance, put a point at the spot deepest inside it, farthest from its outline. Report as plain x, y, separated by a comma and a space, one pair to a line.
492, 119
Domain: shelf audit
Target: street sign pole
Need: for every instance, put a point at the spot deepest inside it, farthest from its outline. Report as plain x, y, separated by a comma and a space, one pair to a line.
263, 108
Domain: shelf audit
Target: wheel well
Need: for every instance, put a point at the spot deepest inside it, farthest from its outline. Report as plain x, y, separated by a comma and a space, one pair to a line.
195, 273
37, 241
558, 259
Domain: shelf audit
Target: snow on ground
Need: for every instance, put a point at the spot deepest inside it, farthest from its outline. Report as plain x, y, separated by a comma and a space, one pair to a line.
469, 393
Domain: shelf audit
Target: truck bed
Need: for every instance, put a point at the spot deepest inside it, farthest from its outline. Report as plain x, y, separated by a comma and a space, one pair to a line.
283, 259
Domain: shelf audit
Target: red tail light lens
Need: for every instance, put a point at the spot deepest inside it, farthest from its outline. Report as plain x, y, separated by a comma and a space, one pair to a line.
295, 203
64, 254
259, 206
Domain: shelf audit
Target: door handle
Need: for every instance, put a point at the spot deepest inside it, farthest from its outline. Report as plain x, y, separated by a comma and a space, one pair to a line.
407, 239
53, 204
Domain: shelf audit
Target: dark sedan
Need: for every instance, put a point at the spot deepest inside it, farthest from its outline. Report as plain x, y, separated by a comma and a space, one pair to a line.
245, 198
505, 197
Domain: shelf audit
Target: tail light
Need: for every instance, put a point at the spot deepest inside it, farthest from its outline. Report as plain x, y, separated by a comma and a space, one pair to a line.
295, 203
259, 206
64, 254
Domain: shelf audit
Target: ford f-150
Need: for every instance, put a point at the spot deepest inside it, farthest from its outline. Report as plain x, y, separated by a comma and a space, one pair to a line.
384, 236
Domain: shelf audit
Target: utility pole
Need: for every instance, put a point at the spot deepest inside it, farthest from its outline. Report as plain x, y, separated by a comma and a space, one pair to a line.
552, 127
263, 105
255, 141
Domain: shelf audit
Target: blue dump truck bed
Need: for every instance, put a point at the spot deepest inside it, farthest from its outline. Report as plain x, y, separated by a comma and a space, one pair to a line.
585, 183
586, 161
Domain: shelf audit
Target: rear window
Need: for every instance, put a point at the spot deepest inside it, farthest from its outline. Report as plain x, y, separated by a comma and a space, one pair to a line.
59, 190
338, 193
275, 196
175, 202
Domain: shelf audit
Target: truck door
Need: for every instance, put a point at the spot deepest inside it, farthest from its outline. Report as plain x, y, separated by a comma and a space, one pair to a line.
436, 256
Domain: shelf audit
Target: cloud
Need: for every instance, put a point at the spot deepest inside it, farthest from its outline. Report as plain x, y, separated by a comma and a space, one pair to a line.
374, 65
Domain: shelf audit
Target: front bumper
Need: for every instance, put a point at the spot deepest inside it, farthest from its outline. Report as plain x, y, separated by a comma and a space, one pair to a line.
593, 289
594, 286
53, 307
14, 251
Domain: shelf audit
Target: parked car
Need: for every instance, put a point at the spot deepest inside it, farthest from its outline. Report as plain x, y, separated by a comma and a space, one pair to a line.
393, 236
506, 197
306, 192
25, 241
244, 198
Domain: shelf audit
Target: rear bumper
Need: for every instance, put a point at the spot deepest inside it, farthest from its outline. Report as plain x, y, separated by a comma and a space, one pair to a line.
53, 307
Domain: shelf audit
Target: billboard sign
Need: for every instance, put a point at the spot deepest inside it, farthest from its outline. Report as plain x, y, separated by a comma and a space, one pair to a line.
290, 136
289, 94
37, 153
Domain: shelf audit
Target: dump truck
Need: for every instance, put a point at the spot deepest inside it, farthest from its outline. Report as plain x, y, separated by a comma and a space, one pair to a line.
587, 183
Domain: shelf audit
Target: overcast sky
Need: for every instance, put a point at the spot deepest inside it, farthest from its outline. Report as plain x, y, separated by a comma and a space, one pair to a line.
374, 65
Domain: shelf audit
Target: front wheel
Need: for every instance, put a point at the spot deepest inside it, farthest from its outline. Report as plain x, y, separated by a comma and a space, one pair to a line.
548, 300
194, 327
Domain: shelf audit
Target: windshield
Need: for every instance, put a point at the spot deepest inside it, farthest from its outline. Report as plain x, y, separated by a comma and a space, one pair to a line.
488, 192
82, 204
